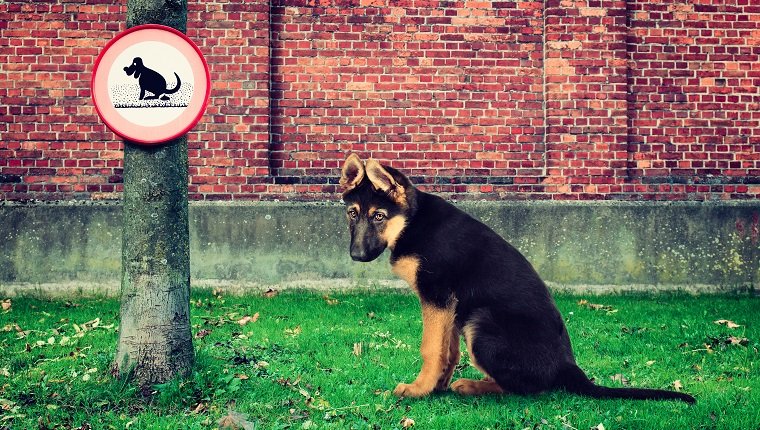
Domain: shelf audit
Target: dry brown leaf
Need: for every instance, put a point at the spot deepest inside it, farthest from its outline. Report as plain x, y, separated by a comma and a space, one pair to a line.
248, 318
199, 408
358, 349
330, 300
293, 331
599, 426
6, 304
11, 327
203, 333
677, 385
242, 376
235, 421
619, 377
597, 306
727, 323
271, 293
407, 422
733, 340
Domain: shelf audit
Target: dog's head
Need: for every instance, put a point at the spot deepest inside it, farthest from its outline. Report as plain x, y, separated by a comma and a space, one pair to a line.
378, 205
135, 67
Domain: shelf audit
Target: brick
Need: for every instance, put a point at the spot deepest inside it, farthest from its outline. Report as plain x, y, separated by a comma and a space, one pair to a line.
463, 95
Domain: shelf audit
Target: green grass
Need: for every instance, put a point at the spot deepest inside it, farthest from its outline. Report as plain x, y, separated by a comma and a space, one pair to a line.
303, 370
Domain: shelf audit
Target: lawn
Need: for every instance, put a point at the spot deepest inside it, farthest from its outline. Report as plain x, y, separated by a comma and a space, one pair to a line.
302, 360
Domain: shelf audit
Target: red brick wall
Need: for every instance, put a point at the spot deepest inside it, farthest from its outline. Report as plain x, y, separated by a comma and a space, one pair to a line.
694, 77
555, 99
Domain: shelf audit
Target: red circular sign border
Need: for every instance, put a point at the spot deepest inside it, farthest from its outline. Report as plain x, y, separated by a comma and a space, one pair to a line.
200, 55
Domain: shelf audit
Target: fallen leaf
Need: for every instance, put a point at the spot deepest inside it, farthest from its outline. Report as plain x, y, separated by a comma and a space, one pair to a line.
242, 376
293, 331
677, 385
597, 306
407, 422
246, 319
271, 293
727, 323
650, 362
619, 377
599, 426
358, 349
733, 340
11, 327
330, 300
235, 421
6, 304
200, 408
203, 333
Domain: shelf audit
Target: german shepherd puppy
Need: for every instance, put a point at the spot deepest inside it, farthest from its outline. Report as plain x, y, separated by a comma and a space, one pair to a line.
470, 282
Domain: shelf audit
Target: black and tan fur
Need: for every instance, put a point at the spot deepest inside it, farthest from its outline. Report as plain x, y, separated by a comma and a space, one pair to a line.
470, 283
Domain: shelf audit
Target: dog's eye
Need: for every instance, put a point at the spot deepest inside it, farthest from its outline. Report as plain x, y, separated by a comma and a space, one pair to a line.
379, 216
353, 214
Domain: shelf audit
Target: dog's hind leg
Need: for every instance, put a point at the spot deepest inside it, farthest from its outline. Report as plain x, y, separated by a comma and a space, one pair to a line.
471, 387
512, 357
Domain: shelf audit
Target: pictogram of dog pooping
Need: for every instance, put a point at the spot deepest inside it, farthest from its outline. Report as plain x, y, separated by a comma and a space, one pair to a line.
150, 83
148, 80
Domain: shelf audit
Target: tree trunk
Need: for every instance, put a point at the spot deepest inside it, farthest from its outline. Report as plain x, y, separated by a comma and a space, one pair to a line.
155, 340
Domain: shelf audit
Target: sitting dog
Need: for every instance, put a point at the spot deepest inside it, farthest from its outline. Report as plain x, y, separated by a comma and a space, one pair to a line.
150, 80
470, 282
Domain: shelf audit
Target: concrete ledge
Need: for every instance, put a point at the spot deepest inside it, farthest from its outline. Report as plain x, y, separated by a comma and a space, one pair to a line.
583, 247
111, 288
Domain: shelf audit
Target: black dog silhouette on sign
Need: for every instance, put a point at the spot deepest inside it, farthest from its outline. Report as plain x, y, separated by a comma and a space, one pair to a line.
150, 81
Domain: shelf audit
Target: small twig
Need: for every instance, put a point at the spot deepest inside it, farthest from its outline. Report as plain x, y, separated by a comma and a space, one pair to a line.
349, 407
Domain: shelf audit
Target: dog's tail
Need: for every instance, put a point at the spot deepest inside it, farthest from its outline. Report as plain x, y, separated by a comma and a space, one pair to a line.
175, 89
574, 380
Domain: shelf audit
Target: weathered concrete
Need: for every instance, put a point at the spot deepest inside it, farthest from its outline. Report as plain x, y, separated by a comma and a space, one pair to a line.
597, 246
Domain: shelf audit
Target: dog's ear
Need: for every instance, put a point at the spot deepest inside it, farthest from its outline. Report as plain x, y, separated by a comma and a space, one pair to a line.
384, 181
352, 173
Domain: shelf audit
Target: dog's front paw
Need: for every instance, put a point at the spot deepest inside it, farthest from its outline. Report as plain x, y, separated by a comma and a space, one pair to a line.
411, 390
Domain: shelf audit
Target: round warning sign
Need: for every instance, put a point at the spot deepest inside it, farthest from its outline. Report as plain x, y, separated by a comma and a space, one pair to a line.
151, 84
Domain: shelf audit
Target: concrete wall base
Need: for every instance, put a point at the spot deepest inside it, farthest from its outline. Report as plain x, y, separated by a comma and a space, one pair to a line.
583, 247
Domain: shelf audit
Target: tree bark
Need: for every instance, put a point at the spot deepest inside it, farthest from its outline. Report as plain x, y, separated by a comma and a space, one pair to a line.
155, 339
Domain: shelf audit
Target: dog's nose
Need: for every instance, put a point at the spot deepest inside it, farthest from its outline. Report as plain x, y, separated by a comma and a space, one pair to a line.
358, 255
